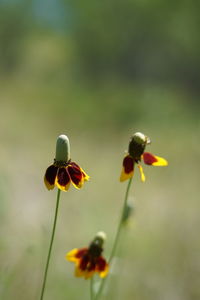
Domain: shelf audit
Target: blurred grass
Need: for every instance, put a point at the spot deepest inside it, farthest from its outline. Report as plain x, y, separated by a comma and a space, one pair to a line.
159, 251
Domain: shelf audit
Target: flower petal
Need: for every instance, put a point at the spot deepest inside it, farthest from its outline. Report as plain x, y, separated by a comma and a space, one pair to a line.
86, 266
72, 255
63, 179
127, 169
150, 159
81, 252
50, 176
104, 273
85, 176
80, 273
76, 176
142, 176
88, 274
75, 255
102, 267
85, 260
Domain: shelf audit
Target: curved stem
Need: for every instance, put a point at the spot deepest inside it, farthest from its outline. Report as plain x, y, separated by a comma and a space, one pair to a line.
121, 222
116, 237
50, 246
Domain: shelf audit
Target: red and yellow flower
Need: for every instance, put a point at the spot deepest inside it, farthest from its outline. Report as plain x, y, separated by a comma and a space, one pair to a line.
90, 260
63, 171
135, 154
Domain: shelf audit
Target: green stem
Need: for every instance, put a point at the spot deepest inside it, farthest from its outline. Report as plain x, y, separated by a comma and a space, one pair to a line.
121, 222
50, 246
116, 237
91, 288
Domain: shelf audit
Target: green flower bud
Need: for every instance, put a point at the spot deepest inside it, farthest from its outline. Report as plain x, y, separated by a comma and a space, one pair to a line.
128, 211
137, 145
96, 246
100, 237
62, 148
139, 138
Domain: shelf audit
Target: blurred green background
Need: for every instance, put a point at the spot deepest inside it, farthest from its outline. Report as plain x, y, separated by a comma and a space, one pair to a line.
99, 71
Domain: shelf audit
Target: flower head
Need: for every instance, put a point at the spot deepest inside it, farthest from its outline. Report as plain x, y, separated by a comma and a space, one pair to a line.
136, 153
63, 171
90, 260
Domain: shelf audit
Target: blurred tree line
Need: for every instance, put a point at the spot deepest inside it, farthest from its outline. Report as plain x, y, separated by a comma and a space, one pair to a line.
139, 39
15, 24
131, 39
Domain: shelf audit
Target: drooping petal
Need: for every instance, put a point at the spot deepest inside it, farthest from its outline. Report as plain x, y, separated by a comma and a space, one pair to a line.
50, 177
88, 274
76, 176
84, 262
92, 265
72, 163
153, 160
72, 255
63, 179
142, 176
81, 252
104, 273
85, 176
87, 266
78, 272
76, 254
102, 267
127, 168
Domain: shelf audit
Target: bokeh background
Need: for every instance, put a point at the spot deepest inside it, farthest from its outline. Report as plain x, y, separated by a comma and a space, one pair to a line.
99, 71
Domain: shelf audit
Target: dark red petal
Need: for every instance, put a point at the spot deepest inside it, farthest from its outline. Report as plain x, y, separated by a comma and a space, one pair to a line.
74, 164
84, 262
81, 252
91, 266
128, 164
50, 174
101, 264
149, 158
63, 177
75, 174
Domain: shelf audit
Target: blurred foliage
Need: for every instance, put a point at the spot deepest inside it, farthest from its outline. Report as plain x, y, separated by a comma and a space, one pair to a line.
157, 40
15, 20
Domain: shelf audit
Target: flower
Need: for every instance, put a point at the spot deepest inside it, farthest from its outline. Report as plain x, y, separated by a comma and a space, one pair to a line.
135, 154
63, 171
89, 260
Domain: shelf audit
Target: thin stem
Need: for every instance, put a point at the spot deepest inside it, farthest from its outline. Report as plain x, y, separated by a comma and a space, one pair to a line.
116, 237
121, 222
50, 246
91, 288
